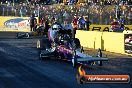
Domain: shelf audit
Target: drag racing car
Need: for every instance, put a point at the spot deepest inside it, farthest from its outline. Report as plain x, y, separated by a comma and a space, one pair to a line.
26, 35
38, 32
129, 40
128, 37
60, 44
21, 35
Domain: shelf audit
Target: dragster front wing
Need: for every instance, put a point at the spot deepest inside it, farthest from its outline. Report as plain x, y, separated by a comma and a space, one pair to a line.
92, 59
83, 57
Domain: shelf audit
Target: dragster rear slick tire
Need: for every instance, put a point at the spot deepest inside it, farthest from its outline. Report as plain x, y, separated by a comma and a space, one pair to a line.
43, 44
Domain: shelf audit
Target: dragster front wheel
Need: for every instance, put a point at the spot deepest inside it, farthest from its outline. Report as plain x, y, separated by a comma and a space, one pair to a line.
74, 59
100, 63
74, 63
27, 35
40, 57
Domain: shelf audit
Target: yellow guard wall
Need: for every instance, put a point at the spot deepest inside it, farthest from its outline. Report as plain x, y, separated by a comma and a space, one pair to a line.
109, 41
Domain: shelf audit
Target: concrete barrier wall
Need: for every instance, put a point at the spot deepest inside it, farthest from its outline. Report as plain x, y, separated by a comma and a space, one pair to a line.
113, 42
109, 41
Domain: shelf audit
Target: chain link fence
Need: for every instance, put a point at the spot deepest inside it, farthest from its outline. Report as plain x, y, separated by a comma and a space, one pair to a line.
97, 14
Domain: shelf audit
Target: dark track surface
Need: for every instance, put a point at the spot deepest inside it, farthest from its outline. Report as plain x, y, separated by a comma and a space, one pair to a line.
21, 68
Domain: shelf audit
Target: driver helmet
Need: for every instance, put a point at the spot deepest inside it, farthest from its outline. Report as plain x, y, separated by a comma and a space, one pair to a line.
55, 27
